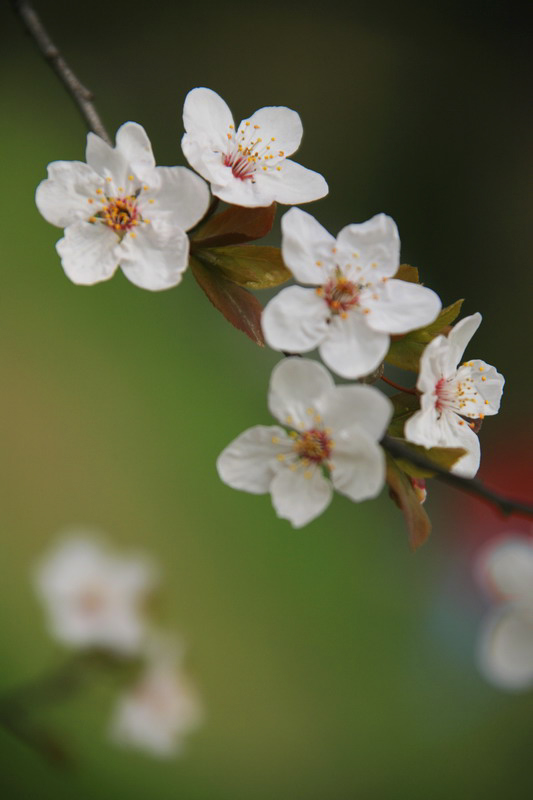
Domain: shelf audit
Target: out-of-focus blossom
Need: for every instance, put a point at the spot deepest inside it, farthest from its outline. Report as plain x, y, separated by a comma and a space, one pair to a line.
505, 651
93, 597
450, 393
161, 708
357, 303
333, 443
119, 209
247, 165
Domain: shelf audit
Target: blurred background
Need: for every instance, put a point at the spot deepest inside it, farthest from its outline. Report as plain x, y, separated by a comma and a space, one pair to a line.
332, 662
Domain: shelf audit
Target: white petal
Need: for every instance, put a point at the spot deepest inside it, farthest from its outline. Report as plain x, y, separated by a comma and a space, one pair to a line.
237, 192
508, 567
351, 348
156, 257
300, 499
293, 184
489, 383
295, 320
133, 143
468, 465
348, 407
434, 365
506, 650
88, 252
206, 117
182, 197
304, 243
422, 427
106, 161
246, 463
431, 428
375, 241
279, 122
64, 197
401, 306
358, 467
460, 336
296, 386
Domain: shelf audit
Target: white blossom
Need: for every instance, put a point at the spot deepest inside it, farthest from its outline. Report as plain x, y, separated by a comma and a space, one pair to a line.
93, 597
247, 165
157, 712
333, 443
505, 651
119, 209
357, 303
450, 393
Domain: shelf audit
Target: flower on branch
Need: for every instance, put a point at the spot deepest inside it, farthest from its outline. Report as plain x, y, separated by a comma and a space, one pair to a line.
247, 165
332, 443
156, 713
357, 303
505, 650
119, 209
451, 393
94, 598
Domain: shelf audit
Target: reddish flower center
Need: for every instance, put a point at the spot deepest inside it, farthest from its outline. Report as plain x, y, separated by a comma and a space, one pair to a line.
242, 163
340, 294
314, 445
121, 213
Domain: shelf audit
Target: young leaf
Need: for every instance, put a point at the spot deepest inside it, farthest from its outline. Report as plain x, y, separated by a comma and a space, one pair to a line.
402, 492
444, 457
405, 351
407, 273
235, 225
251, 266
404, 404
239, 307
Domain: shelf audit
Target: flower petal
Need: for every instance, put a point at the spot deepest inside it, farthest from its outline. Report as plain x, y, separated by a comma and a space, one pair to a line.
88, 252
279, 124
133, 143
64, 197
182, 197
156, 257
375, 241
351, 348
293, 184
358, 466
297, 385
295, 320
506, 649
422, 427
489, 383
246, 463
300, 499
399, 306
248, 194
434, 365
459, 337
107, 161
432, 428
508, 567
207, 120
306, 246
348, 407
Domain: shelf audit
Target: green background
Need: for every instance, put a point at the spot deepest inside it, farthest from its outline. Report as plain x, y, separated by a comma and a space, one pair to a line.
331, 661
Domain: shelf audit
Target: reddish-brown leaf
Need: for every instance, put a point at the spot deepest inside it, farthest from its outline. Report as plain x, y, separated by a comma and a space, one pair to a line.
235, 225
239, 307
404, 495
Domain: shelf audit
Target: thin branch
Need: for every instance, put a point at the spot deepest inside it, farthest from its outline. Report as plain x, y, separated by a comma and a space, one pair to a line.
507, 505
397, 386
79, 93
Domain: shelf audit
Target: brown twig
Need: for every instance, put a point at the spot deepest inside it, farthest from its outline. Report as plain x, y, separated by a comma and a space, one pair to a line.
79, 93
507, 505
397, 386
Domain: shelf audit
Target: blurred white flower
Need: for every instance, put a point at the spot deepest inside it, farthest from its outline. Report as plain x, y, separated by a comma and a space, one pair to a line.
94, 598
357, 303
333, 444
119, 209
247, 165
505, 651
157, 712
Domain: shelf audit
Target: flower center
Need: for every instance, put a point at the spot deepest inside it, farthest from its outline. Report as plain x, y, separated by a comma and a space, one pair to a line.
314, 446
340, 294
121, 213
248, 152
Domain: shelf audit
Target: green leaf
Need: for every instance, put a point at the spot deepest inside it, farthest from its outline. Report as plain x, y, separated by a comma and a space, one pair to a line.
407, 273
405, 405
235, 225
405, 351
402, 492
444, 457
251, 266
239, 307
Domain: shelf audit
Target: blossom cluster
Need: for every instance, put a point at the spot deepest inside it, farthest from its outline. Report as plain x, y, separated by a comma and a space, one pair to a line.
352, 301
95, 602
